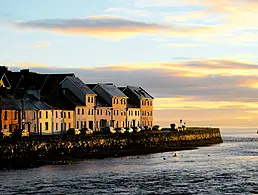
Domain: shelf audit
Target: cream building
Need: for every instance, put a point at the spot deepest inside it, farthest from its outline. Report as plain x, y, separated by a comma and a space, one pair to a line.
83, 99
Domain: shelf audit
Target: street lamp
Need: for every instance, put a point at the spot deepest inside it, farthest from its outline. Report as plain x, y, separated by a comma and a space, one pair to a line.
95, 108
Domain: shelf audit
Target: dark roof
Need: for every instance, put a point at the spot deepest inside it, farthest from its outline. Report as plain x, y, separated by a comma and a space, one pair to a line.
27, 105
112, 90
101, 102
37, 103
140, 92
72, 98
80, 85
57, 102
91, 86
9, 104
13, 78
132, 106
52, 84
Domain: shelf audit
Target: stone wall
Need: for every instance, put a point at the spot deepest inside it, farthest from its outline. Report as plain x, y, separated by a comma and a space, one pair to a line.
36, 151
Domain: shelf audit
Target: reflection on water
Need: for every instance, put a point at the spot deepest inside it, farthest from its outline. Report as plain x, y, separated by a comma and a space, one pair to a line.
230, 167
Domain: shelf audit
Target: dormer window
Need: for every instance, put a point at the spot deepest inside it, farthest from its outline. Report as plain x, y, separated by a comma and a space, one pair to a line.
78, 111
92, 99
122, 101
88, 99
114, 101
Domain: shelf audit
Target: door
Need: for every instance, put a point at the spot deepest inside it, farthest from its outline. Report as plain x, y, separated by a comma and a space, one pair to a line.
91, 125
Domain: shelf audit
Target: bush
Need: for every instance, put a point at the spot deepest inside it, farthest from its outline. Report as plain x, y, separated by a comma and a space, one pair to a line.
70, 131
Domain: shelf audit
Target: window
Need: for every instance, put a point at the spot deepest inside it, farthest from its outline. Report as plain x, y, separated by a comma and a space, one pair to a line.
82, 111
46, 114
69, 115
150, 103
97, 111
117, 112
77, 125
121, 113
81, 124
106, 112
135, 113
89, 112
122, 101
92, 111
92, 99
5, 115
138, 113
5, 126
40, 114
64, 114
129, 113
88, 99
15, 115
96, 124
150, 113
46, 125
114, 112
78, 111
84, 124
100, 111
61, 114
114, 101
56, 126
56, 114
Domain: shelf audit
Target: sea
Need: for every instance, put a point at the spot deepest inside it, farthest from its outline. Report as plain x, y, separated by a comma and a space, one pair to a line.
227, 168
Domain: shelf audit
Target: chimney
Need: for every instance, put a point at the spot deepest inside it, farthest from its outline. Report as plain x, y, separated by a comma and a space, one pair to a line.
3, 69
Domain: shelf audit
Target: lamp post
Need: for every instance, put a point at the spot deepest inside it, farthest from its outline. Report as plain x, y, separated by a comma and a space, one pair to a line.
23, 120
1, 113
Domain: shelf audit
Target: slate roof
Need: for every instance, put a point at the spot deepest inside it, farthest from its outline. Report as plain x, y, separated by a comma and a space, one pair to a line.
8, 104
139, 92
112, 90
81, 85
72, 98
101, 102
27, 105
53, 81
91, 86
57, 102
38, 104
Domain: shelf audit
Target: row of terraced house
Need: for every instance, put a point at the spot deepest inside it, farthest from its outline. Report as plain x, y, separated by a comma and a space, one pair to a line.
54, 103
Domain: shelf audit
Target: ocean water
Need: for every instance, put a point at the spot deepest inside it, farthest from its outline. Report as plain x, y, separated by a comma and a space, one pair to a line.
227, 168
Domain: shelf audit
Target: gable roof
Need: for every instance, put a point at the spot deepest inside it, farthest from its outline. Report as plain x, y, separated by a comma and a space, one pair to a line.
139, 92
72, 98
111, 89
80, 85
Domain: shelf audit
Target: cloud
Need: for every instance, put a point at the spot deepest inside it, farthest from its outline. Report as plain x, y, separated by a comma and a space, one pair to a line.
208, 99
40, 44
108, 27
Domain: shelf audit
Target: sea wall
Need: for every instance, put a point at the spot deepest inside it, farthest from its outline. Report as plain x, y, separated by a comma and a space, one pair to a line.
37, 151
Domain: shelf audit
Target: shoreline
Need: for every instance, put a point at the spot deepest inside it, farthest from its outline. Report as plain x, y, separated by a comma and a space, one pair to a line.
66, 160
37, 152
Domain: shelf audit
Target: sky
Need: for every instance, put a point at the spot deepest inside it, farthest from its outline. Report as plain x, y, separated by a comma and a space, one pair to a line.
198, 58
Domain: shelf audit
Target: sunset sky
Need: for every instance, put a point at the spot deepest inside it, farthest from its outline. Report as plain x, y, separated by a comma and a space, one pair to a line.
198, 58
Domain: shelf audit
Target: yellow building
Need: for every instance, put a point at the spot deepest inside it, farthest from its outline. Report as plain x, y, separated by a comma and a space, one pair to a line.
83, 100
